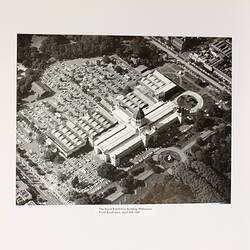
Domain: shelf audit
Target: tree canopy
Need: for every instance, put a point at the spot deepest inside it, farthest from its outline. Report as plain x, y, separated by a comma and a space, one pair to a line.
107, 171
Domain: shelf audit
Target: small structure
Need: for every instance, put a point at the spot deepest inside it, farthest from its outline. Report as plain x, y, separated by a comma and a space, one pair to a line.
141, 69
41, 89
23, 196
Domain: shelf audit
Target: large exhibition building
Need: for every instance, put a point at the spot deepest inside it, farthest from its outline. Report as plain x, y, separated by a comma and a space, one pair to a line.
140, 122
136, 119
135, 129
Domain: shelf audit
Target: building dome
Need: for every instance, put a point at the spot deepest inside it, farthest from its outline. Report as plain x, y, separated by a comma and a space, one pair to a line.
138, 114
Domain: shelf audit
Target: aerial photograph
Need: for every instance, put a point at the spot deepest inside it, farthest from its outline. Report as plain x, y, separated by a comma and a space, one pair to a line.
123, 119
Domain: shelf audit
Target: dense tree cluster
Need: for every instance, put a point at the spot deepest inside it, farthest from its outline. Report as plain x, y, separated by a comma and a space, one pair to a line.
79, 184
167, 190
86, 199
202, 189
137, 171
126, 90
62, 177
217, 151
23, 47
201, 121
79, 198
49, 155
129, 184
41, 139
31, 58
144, 53
110, 172
71, 47
108, 192
212, 109
226, 97
24, 83
106, 59
221, 184
60, 47
107, 171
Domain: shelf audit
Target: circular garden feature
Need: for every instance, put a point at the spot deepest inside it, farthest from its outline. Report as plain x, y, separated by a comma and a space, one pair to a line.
167, 157
187, 101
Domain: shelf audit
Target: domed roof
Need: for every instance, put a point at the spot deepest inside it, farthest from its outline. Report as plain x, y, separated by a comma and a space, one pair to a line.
138, 114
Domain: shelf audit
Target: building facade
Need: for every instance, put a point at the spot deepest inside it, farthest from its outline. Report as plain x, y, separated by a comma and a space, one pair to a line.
135, 129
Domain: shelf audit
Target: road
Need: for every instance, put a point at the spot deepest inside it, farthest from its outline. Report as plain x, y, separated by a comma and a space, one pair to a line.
188, 65
45, 194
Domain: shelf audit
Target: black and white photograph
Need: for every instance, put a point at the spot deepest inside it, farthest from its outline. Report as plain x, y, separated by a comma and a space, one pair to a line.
108, 119
125, 125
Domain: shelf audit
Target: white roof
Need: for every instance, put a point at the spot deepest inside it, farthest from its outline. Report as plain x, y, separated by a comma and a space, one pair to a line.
125, 145
160, 111
117, 139
110, 134
167, 119
158, 82
121, 115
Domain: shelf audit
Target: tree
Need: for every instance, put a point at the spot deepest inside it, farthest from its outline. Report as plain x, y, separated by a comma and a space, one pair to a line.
226, 97
98, 98
107, 171
128, 184
201, 121
62, 176
195, 148
119, 51
181, 101
106, 59
137, 171
199, 141
58, 159
49, 155
118, 69
52, 109
202, 190
127, 90
41, 139
75, 182
96, 199
84, 200
201, 156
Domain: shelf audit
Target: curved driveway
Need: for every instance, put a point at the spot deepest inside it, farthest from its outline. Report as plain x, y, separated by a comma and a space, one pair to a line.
197, 97
173, 149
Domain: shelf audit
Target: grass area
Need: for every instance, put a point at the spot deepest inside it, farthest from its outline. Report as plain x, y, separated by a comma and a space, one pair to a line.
184, 80
187, 101
188, 83
164, 158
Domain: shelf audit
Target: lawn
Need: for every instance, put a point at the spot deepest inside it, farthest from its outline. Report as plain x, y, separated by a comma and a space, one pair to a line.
187, 101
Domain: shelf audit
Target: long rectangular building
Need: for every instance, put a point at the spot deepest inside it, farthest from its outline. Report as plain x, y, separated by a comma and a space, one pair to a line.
132, 133
73, 135
157, 83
